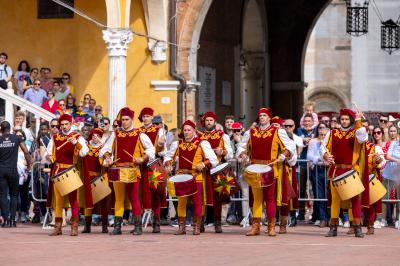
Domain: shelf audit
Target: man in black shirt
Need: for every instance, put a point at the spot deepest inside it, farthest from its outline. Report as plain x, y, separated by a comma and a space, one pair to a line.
9, 144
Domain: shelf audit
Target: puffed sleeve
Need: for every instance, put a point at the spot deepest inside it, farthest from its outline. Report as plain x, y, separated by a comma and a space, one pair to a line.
242, 145
227, 147
107, 148
170, 153
148, 146
49, 148
322, 148
289, 144
361, 135
84, 149
209, 153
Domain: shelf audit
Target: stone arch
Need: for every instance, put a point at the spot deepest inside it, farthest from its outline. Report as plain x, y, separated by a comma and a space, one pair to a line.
327, 99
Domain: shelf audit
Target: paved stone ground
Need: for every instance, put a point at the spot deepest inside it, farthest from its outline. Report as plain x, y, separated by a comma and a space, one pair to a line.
303, 245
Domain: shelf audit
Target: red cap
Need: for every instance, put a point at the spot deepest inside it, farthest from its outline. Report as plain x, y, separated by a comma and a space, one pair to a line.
208, 114
126, 111
347, 112
65, 117
236, 125
186, 123
145, 111
277, 120
265, 110
97, 131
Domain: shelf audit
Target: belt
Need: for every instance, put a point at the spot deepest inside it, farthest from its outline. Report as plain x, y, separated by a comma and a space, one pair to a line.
125, 164
344, 166
64, 165
256, 161
93, 173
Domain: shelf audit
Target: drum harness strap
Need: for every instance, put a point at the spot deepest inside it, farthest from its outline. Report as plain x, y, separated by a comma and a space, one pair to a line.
63, 165
342, 166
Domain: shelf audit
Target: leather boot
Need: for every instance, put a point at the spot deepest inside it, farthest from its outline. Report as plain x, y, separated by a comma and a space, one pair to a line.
351, 229
182, 226
255, 227
282, 226
156, 224
74, 226
202, 227
57, 227
218, 226
333, 223
138, 225
117, 226
87, 226
370, 228
196, 225
6, 222
271, 226
104, 225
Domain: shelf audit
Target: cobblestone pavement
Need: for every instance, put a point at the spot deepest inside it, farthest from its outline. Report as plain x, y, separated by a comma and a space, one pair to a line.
303, 245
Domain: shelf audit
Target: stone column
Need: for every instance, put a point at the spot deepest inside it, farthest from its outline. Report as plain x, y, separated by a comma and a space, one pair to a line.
117, 41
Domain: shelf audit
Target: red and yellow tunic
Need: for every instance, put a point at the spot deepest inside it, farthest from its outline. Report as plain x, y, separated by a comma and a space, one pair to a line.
215, 138
345, 148
91, 169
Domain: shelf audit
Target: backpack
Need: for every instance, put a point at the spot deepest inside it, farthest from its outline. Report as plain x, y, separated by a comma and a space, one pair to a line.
3, 83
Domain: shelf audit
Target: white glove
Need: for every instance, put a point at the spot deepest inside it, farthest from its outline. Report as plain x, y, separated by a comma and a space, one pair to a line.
281, 157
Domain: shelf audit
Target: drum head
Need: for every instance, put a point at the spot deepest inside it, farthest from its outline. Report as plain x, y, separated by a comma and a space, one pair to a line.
150, 163
344, 175
96, 178
258, 168
63, 172
218, 168
180, 178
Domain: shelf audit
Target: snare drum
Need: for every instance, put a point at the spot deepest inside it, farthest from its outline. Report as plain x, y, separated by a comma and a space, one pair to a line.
182, 185
224, 179
348, 184
376, 189
259, 175
100, 189
123, 174
156, 174
67, 181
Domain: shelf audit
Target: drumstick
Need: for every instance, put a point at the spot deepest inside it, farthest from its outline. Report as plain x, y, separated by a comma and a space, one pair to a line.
44, 145
65, 143
271, 163
98, 139
129, 154
186, 159
358, 110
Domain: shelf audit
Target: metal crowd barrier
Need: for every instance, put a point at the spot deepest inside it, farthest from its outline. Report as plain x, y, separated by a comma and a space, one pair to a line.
39, 186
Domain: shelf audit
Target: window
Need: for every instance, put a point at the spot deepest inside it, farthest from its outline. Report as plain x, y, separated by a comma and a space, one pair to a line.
49, 9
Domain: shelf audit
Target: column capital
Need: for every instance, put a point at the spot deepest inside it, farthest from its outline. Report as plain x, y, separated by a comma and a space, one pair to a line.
117, 41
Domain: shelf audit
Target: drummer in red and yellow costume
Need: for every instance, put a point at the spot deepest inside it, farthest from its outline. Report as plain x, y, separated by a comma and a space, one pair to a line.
127, 147
92, 168
264, 144
151, 199
341, 149
194, 157
372, 163
220, 143
65, 146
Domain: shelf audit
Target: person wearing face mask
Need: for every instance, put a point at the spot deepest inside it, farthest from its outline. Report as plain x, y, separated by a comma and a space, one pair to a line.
220, 143
193, 157
64, 149
267, 144
127, 149
341, 149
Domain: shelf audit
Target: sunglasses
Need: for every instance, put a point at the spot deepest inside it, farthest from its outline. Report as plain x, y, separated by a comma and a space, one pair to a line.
86, 98
237, 130
377, 132
61, 104
65, 78
37, 84
80, 106
106, 124
115, 126
53, 126
97, 110
383, 121
288, 126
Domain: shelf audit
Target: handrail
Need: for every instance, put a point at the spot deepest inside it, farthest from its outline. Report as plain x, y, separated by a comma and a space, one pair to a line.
26, 105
